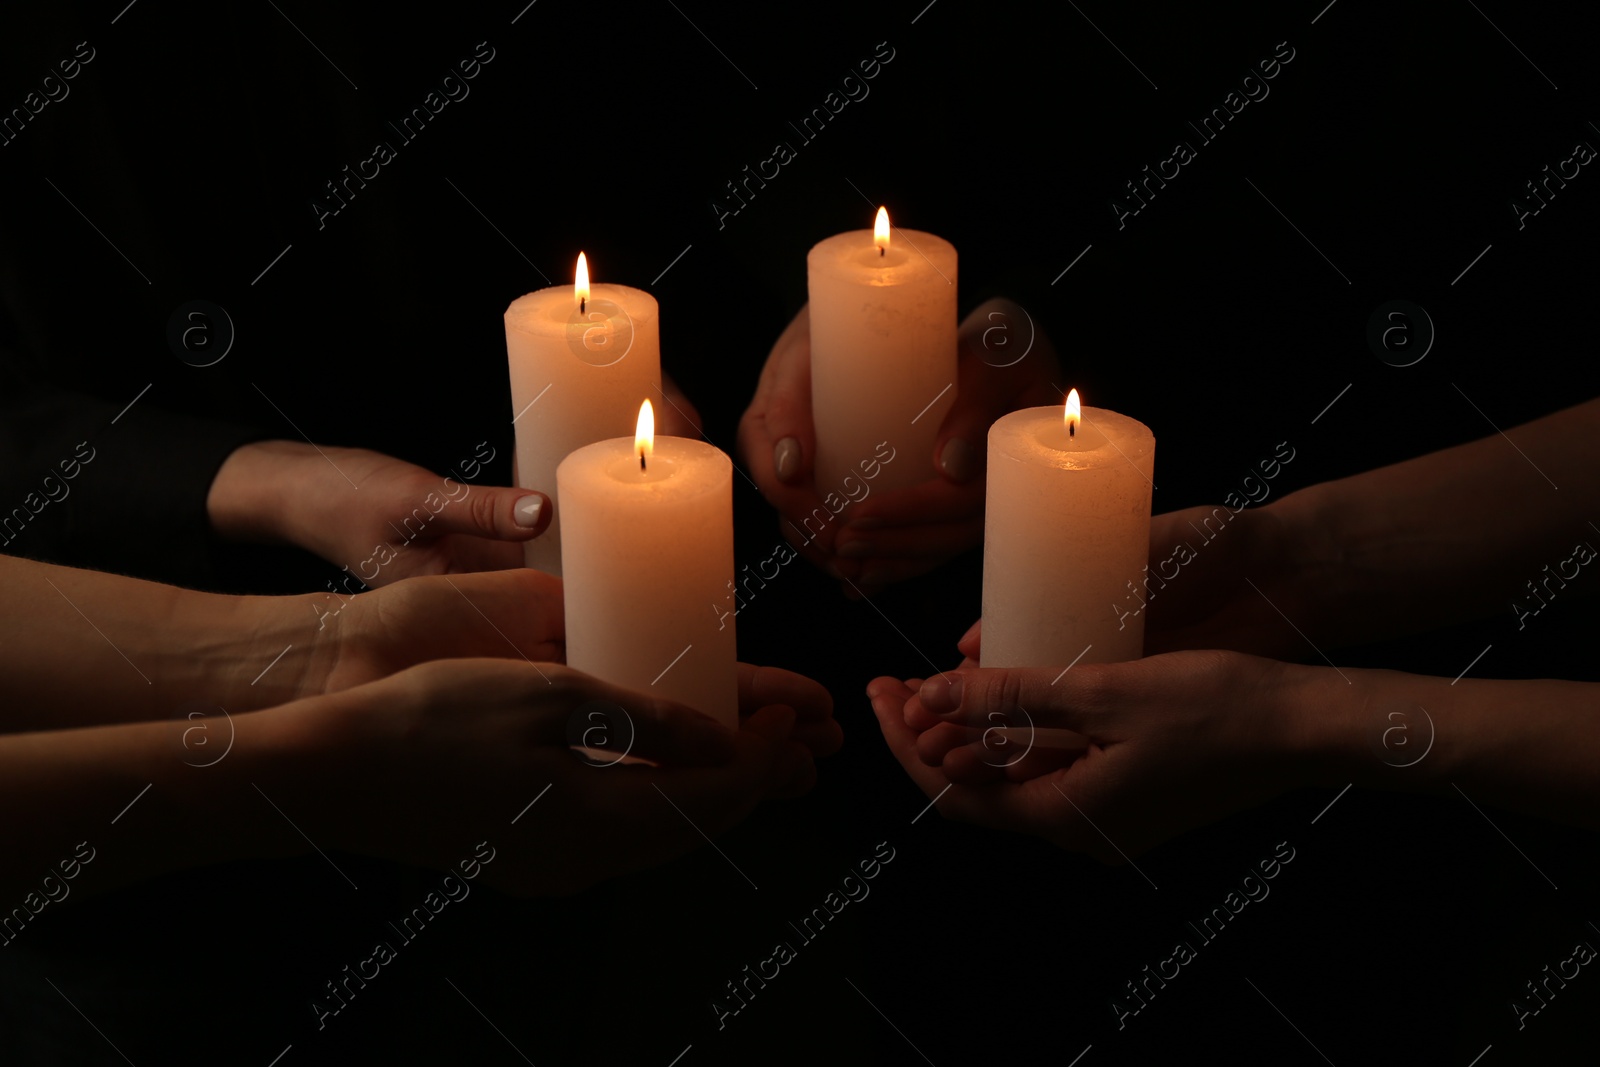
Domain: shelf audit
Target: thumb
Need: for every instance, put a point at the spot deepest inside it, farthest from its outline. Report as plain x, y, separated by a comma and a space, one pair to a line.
1020, 696
499, 513
776, 432
1004, 363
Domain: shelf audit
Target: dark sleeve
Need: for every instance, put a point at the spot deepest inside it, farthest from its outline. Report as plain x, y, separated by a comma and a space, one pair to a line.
87, 482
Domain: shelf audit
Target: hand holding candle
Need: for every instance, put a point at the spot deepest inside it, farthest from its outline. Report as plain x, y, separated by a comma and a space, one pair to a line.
1004, 361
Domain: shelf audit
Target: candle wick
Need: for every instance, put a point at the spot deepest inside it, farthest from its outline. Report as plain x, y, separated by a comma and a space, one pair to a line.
583, 305
1072, 429
881, 251
641, 459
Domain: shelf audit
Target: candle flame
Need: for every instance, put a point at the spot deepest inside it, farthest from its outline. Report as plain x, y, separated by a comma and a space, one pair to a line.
1073, 414
644, 438
580, 288
880, 230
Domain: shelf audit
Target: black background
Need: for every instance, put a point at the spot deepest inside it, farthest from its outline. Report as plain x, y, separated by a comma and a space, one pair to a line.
1395, 141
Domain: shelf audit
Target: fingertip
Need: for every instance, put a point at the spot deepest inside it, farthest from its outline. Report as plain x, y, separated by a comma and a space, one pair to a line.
775, 722
820, 739
786, 460
942, 695
970, 638
959, 461
531, 514
918, 717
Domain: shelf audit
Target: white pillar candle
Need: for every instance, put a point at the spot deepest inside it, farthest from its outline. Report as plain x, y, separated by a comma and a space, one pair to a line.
1066, 538
647, 548
883, 353
580, 358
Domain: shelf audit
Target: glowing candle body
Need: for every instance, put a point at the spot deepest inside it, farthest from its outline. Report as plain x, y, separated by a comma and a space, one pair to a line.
883, 355
1066, 538
576, 378
646, 552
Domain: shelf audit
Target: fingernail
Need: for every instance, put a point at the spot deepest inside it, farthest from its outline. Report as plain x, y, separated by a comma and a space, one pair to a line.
855, 549
786, 458
958, 460
941, 695
528, 510
971, 631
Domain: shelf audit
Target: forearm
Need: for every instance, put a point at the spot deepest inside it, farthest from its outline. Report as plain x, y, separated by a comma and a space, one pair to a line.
1531, 746
253, 493
81, 648
1455, 534
65, 788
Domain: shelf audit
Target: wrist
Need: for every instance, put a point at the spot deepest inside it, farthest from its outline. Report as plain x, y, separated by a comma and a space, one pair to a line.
251, 496
1306, 538
256, 651
1320, 733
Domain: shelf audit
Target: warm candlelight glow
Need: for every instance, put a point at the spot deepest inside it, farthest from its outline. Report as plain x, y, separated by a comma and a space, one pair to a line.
1073, 414
644, 438
880, 230
580, 288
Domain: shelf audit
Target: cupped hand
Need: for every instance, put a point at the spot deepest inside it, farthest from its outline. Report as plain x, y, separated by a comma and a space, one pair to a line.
379, 517
419, 766
512, 614
1004, 363
1171, 742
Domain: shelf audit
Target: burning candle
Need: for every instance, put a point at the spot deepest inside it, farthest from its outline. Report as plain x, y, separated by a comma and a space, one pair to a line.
1066, 537
649, 543
580, 358
883, 352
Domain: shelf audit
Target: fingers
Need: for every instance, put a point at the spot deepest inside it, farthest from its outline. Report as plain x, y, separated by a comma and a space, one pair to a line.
935, 541
814, 727
497, 512
1006, 363
766, 763
888, 698
760, 686
793, 771
971, 642
1036, 806
608, 718
785, 395
776, 437
519, 612
1014, 696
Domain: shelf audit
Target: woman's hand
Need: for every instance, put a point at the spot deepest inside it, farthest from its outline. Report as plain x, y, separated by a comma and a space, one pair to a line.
420, 765
379, 517
515, 614
1169, 743
1004, 363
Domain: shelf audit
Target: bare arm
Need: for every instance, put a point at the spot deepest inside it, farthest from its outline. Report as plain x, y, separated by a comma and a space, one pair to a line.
1180, 740
81, 647
1457, 533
